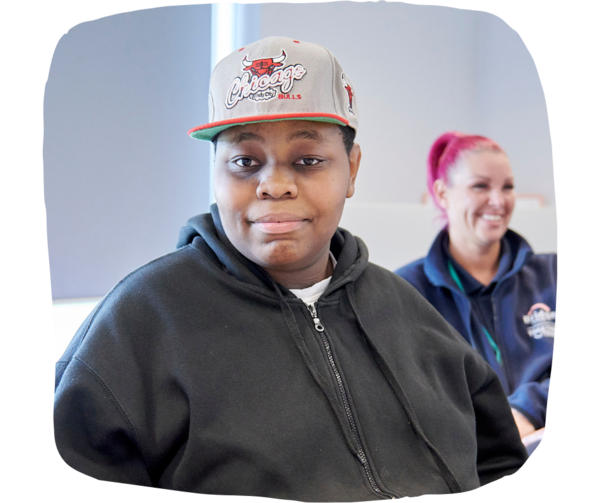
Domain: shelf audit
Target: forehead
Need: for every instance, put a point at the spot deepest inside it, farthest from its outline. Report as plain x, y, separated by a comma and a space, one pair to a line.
286, 131
483, 163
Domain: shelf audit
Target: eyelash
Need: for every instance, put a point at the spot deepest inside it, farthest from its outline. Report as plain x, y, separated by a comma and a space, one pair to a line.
484, 186
318, 161
236, 162
254, 164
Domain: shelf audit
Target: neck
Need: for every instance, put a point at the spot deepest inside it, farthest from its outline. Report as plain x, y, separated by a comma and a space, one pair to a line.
481, 262
321, 269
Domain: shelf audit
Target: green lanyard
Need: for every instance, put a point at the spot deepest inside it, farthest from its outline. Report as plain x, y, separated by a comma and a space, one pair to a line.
495, 347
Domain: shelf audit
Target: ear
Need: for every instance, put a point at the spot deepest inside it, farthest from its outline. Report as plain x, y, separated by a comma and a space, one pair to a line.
439, 192
354, 159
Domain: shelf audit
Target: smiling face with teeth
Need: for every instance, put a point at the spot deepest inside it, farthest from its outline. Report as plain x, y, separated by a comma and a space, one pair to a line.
478, 199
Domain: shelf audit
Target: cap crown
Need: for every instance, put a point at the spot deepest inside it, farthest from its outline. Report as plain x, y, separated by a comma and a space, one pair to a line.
278, 78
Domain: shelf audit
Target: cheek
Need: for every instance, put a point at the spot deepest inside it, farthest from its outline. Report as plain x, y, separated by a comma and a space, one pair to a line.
232, 211
220, 188
330, 197
231, 195
463, 209
475, 202
460, 203
510, 202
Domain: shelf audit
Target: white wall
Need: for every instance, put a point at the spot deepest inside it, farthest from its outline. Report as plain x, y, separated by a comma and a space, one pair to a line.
121, 175
511, 105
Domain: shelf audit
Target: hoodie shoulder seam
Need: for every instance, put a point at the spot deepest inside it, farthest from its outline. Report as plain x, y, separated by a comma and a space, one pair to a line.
116, 402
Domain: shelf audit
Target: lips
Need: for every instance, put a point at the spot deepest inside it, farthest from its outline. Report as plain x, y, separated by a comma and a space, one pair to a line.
278, 223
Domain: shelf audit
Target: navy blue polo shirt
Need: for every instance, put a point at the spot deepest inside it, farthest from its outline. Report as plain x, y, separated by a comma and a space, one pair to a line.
479, 295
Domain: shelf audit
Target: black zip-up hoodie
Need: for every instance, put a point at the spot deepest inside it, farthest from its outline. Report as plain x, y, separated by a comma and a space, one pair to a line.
198, 372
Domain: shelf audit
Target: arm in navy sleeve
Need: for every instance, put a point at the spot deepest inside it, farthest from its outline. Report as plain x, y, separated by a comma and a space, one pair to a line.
530, 399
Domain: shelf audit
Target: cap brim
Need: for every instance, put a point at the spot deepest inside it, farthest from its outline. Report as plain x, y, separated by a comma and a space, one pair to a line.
209, 131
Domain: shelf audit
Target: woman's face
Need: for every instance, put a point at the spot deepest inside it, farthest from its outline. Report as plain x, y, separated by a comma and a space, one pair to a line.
281, 187
479, 198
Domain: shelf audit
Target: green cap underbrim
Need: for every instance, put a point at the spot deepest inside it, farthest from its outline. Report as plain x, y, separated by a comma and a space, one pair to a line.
209, 133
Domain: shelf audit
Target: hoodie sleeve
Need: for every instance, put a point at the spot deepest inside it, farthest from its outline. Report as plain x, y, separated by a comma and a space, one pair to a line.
92, 432
500, 451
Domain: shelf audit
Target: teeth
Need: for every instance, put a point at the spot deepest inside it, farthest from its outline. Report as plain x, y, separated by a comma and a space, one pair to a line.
493, 218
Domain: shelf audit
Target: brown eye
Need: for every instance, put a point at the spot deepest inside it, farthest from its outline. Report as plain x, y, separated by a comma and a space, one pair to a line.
245, 162
308, 161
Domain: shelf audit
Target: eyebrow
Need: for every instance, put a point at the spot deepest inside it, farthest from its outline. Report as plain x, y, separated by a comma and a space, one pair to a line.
307, 134
245, 136
487, 179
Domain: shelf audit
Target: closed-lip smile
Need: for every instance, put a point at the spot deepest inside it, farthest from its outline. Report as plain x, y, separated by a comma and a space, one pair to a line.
278, 223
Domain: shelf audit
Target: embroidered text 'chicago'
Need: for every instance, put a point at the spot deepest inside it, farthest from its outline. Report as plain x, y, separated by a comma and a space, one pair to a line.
260, 78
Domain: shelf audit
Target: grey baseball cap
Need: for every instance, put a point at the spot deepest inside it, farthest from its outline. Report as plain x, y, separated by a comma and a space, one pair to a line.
276, 79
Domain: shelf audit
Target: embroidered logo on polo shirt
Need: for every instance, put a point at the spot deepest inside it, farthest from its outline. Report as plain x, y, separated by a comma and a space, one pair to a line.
261, 78
540, 319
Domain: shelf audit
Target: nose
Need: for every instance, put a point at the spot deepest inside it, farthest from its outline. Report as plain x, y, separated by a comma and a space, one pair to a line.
496, 199
276, 182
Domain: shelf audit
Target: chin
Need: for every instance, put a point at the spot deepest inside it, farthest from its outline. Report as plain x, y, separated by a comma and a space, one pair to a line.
278, 255
491, 238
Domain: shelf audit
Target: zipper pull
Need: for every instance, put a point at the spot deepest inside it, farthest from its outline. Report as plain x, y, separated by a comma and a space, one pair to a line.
313, 312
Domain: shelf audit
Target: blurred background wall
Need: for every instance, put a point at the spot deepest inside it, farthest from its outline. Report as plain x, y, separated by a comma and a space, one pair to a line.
120, 173
122, 176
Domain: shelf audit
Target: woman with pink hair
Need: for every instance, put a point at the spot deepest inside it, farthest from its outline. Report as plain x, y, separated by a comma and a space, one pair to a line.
484, 278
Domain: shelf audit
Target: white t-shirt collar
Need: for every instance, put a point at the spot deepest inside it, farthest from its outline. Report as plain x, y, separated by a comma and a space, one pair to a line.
311, 294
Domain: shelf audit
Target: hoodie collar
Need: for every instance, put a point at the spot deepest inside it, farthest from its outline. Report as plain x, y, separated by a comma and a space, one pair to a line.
350, 252
515, 252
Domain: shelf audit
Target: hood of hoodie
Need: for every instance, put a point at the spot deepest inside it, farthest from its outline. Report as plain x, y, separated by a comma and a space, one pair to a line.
349, 251
436, 261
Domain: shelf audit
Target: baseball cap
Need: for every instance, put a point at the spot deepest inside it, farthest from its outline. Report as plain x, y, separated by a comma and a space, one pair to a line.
276, 79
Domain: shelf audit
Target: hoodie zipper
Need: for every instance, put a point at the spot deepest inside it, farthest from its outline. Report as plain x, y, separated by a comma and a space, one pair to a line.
361, 452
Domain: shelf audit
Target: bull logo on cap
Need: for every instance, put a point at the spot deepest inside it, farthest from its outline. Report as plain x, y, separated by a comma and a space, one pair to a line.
265, 66
260, 79
348, 89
